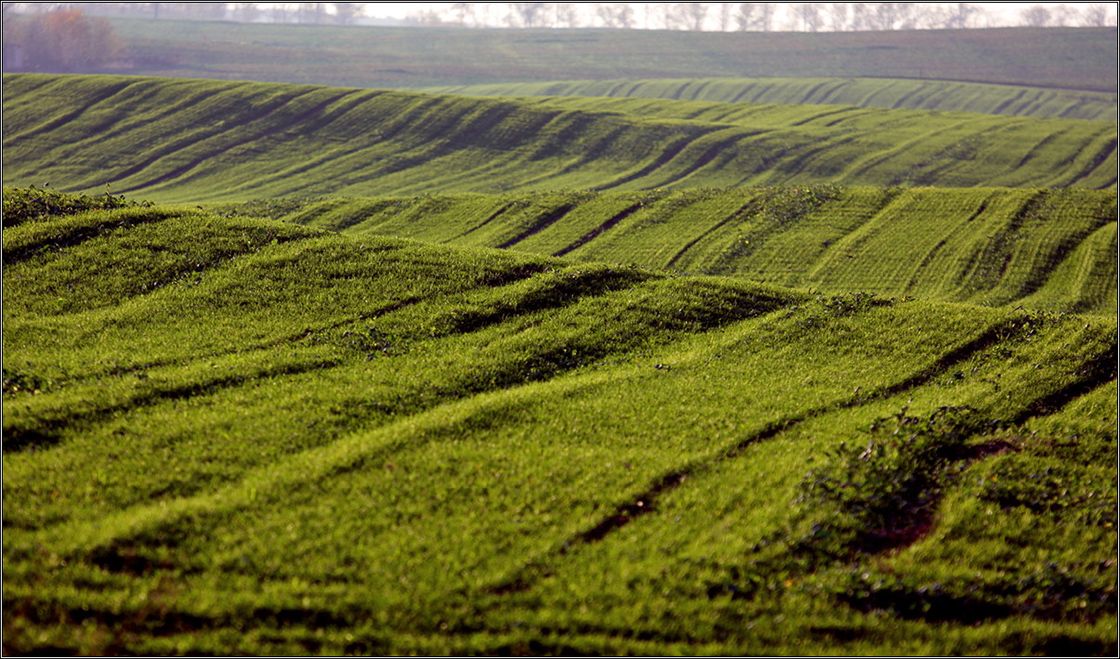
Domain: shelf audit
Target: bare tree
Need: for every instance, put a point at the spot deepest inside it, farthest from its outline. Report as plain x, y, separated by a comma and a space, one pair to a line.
1035, 16
1097, 15
345, 13
615, 14
807, 16
744, 16
695, 13
528, 14
764, 19
724, 16
960, 15
838, 16
1062, 15
462, 12
566, 15
885, 16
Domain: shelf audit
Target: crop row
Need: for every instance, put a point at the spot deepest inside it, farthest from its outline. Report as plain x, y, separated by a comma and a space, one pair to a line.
199, 140
264, 438
858, 92
1047, 249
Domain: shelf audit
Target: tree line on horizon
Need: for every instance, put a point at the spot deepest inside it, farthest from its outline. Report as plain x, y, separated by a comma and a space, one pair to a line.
696, 16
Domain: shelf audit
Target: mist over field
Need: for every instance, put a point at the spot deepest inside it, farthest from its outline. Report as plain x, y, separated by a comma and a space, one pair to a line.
557, 328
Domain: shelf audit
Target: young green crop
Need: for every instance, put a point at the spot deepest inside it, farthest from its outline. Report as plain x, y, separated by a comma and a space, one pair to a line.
264, 438
193, 141
1045, 249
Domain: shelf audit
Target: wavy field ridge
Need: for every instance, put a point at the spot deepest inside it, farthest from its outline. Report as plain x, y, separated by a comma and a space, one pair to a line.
1045, 249
859, 92
200, 140
251, 436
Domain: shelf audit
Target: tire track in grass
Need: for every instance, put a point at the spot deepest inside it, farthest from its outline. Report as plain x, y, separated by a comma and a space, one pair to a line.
667, 155
1098, 159
599, 230
318, 159
78, 233
1042, 144
540, 224
999, 109
18, 438
205, 134
932, 254
750, 204
564, 291
977, 276
108, 92
822, 115
502, 208
275, 480
296, 121
710, 154
521, 579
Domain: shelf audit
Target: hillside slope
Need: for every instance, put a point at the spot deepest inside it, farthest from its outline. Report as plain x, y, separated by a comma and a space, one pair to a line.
1068, 58
860, 92
200, 140
1046, 249
234, 435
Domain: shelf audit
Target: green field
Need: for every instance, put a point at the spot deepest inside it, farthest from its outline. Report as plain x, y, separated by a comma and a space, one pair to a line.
762, 344
190, 141
859, 92
237, 435
1044, 249
1066, 58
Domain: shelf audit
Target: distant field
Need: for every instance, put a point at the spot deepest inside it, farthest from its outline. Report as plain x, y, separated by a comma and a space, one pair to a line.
859, 92
1067, 58
179, 140
231, 435
1048, 249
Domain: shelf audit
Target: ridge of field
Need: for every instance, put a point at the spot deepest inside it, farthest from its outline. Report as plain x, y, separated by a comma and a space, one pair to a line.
229, 435
859, 92
1043, 249
180, 140
1068, 58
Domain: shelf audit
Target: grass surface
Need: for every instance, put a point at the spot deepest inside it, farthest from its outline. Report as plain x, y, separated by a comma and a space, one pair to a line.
1045, 249
859, 92
1069, 58
254, 437
203, 140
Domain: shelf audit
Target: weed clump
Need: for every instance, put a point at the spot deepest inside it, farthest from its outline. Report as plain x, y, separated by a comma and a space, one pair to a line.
34, 203
879, 494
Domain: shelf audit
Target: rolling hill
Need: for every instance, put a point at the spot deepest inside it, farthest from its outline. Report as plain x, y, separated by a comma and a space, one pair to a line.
860, 92
1045, 249
176, 140
1066, 58
237, 435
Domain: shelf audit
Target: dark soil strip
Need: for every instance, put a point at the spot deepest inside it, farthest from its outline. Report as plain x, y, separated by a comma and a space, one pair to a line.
179, 145
645, 502
1097, 161
489, 218
299, 122
999, 109
100, 97
18, 439
542, 223
670, 152
1101, 370
81, 234
928, 258
599, 230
